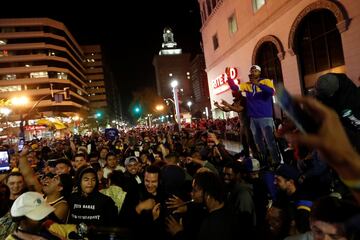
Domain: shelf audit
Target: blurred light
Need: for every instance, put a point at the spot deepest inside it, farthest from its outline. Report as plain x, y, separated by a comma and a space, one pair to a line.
170, 74
5, 111
189, 103
174, 83
159, 107
27, 65
187, 73
19, 101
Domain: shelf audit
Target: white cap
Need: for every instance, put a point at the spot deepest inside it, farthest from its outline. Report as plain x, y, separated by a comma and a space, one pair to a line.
130, 160
31, 205
257, 67
252, 165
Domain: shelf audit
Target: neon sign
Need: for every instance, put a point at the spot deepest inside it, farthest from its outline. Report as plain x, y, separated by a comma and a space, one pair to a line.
220, 85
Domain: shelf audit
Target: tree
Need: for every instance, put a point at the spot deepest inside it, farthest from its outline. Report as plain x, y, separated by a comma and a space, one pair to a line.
144, 102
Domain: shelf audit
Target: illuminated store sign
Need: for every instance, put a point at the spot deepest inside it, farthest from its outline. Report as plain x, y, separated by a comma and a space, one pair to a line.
220, 85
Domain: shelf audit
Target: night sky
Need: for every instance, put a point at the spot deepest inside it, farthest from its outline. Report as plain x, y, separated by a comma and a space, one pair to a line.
130, 35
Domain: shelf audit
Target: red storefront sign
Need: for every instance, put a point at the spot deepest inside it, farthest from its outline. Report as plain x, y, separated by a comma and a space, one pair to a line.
220, 85
35, 127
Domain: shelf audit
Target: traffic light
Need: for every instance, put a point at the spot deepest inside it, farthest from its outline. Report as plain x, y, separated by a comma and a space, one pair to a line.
98, 114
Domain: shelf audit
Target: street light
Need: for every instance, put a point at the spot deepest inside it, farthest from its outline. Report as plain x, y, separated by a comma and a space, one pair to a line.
20, 102
189, 103
159, 107
174, 85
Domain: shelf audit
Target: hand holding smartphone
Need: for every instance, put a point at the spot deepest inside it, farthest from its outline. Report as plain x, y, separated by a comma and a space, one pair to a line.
4, 161
302, 119
21, 144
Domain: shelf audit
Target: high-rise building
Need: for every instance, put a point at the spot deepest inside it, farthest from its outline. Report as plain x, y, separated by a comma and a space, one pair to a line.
95, 77
199, 82
294, 42
172, 64
40, 59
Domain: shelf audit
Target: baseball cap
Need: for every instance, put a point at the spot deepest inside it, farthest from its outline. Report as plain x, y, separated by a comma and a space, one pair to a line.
130, 160
287, 172
257, 67
251, 164
326, 85
31, 205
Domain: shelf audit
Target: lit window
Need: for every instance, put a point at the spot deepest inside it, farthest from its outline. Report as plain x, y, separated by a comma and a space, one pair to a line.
10, 88
215, 41
92, 60
3, 41
232, 24
39, 75
9, 77
257, 4
61, 75
3, 53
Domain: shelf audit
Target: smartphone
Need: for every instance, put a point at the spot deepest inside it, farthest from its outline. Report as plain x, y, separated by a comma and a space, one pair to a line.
302, 119
4, 161
21, 144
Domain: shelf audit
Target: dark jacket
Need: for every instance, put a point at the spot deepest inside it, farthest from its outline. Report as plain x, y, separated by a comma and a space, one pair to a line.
94, 209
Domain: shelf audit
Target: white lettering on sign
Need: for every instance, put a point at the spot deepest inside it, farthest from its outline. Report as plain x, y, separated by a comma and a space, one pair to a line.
220, 85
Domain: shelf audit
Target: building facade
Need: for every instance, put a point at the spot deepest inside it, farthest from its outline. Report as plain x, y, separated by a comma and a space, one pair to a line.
40, 59
95, 77
171, 64
294, 41
199, 82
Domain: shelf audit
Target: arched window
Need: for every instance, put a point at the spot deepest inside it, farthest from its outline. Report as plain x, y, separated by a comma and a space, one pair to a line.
267, 58
269, 62
319, 46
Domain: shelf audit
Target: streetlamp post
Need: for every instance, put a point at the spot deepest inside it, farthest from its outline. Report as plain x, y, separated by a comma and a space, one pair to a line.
174, 85
20, 103
189, 103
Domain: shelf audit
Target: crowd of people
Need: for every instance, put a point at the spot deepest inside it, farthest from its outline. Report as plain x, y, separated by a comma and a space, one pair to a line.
165, 183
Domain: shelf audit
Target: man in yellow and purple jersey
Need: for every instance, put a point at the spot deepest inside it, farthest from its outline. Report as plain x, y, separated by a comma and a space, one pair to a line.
259, 93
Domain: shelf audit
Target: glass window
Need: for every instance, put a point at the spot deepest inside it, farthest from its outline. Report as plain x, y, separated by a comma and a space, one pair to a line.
4, 53
267, 58
318, 44
257, 4
9, 77
10, 88
39, 75
215, 41
232, 24
61, 75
